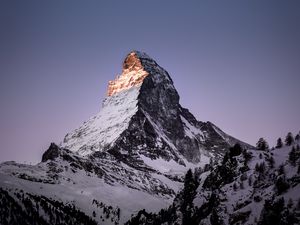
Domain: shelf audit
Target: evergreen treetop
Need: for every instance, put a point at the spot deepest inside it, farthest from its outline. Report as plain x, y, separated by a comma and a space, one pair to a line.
262, 144
289, 140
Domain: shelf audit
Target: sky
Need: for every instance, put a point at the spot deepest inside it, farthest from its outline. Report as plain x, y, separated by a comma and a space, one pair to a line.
234, 63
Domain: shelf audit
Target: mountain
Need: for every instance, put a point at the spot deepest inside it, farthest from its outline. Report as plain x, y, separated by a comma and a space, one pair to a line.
132, 155
142, 115
247, 187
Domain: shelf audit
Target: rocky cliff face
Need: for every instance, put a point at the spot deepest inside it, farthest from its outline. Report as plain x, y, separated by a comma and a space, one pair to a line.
142, 115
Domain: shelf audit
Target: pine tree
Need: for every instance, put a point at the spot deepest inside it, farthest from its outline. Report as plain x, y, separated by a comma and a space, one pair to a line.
297, 138
289, 140
272, 212
281, 170
190, 186
189, 192
281, 185
262, 144
279, 143
293, 156
235, 150
271, 162
260, 167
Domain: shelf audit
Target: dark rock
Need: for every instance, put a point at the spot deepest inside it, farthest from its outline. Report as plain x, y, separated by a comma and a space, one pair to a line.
52, 153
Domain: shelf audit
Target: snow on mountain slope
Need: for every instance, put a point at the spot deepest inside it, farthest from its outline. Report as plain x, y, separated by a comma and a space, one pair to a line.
71, 179
258, 176
84, 190
133, 154
246, 187
104, 128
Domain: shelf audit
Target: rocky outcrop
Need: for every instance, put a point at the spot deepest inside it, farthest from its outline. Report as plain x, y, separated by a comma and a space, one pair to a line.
133, 75
52, 153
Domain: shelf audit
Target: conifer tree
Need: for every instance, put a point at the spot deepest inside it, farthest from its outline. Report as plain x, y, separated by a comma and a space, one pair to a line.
190, 186
293, 156
289, 140
279, 143
262, 144
189, 192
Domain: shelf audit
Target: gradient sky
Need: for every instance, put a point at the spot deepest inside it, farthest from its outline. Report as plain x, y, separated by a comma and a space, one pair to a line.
235, 63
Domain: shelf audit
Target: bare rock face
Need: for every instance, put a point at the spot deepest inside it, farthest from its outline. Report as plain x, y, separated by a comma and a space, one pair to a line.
52, 152
132, 75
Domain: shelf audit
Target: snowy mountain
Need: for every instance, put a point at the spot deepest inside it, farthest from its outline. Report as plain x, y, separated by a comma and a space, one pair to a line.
142, 115
247, 187
132, 155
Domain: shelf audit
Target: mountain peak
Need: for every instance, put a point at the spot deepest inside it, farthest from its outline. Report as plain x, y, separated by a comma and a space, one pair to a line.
133, 73
142, 116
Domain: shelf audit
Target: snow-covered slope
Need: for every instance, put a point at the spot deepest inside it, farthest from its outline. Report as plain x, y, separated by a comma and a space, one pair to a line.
246, 187
267, 176
72, 179
103, 129
133, 154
